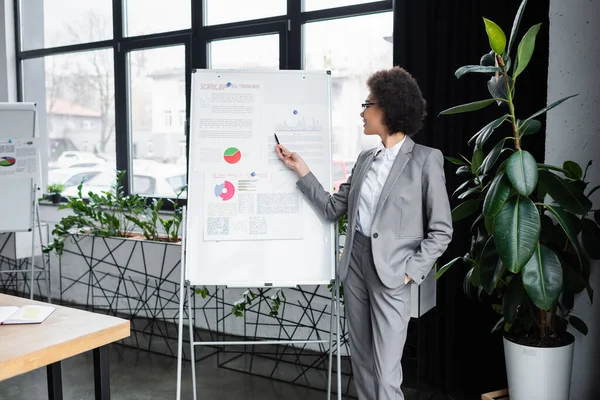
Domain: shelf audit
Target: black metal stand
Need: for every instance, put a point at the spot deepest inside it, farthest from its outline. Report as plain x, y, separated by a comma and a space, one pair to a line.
101, 373
54, 373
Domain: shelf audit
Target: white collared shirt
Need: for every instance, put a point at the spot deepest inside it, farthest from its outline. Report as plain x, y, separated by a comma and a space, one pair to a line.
373, 184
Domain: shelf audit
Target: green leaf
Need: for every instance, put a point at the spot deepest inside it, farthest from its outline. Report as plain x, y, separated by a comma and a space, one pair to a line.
464, 170
496, 196
529, 128
542, 278
522, 172
490, 267
573, 170
564, 194
516, 232
465, 209
489, 224
474, 106
474, 276
475, 68
551, 106
590, 237
526, 48
488, 59
547, 167
496, 36
469, 192
484, 134
498, 325
455, 161
568, 227
515, 27
512, 299
446, 267
578, 324
490, 160
498, 87
461, 187
476, 161
593, 190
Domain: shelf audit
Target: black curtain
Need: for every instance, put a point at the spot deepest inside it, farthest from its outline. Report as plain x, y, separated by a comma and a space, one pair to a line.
433, 38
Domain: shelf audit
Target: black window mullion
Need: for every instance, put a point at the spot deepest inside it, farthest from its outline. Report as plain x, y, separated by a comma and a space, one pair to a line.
122, 142
154, 40
294, 35
283, 47
232, 32
17, 25
199, 45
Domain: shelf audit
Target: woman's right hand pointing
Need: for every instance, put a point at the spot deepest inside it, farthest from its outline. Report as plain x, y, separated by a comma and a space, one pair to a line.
292, 160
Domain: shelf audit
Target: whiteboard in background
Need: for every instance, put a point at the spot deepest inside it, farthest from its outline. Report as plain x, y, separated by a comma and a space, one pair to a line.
18, 121
247, 223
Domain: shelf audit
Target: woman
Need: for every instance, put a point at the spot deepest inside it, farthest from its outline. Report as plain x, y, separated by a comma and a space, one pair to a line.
399, 223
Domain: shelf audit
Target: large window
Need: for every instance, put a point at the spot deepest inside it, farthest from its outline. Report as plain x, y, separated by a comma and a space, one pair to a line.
245, 53
112, 79
53, 23
225, 11
75, 97
154, 16
157, 116
352, 48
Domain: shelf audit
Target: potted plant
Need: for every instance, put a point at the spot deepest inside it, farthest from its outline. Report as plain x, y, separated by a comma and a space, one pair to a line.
527, 258
54, 192
120, 254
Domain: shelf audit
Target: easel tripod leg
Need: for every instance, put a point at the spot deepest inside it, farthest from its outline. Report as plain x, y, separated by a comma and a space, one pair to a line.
337, 331
189, 296
330, 355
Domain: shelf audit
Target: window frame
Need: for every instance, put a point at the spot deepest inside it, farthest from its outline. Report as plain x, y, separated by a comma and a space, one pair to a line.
196, 41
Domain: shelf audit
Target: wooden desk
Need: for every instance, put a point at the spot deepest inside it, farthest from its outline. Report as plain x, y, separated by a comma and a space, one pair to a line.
65, 333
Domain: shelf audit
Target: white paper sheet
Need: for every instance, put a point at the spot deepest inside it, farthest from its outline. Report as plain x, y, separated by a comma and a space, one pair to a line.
18, 158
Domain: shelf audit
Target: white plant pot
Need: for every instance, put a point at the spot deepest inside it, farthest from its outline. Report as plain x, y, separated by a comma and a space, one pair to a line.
538, 373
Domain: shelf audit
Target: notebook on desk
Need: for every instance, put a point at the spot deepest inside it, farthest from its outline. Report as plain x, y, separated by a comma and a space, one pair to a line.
31, 314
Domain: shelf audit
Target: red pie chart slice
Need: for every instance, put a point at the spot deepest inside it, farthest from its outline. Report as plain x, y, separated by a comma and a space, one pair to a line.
232, 155
7, 161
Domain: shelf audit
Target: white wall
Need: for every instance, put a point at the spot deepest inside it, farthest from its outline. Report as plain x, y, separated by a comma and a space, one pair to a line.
572, 134
8, 71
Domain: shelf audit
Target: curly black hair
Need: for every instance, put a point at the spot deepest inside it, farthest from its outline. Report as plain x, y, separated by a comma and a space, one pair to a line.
398, 94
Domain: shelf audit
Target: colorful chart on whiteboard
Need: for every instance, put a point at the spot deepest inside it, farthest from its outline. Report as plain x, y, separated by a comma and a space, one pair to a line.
18, 158
250, 207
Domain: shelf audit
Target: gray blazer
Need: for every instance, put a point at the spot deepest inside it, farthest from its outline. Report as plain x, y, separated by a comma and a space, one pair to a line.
412, 225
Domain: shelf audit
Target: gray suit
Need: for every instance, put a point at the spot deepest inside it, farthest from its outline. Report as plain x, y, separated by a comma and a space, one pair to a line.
411, 229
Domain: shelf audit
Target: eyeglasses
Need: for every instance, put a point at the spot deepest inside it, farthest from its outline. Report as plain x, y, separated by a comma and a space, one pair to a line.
367, 105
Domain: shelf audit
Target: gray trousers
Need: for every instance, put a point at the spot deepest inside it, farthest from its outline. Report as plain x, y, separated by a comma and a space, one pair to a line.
377, 323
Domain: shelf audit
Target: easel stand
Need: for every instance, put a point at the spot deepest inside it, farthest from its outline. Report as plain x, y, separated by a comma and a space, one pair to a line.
185, 293
35, 224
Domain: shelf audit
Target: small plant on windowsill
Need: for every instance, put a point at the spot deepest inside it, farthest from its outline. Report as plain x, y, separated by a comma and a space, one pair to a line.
114, 214
54, 192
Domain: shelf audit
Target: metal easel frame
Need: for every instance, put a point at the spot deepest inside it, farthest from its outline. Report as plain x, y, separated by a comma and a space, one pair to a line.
35, 223
185, 294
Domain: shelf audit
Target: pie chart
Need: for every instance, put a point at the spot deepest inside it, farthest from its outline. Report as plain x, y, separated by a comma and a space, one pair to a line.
7, 161
225, 190
232, 155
